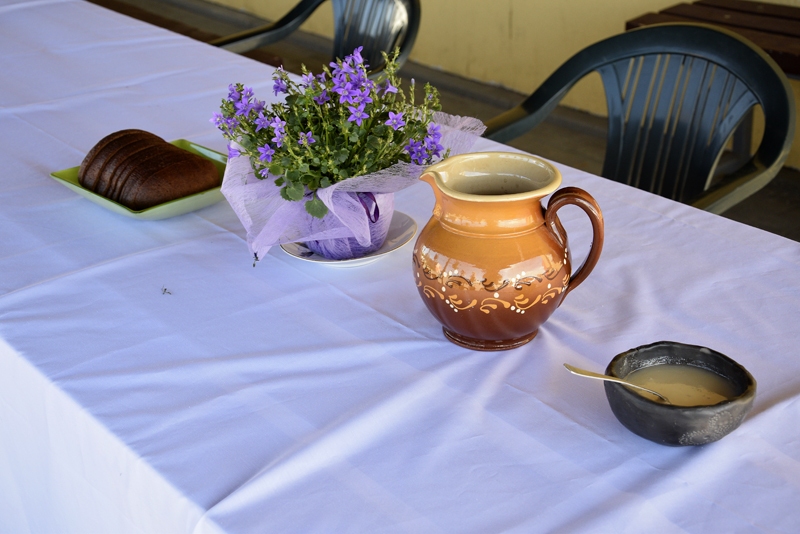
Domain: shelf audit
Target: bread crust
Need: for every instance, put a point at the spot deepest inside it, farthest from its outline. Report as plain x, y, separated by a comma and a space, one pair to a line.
105, 185
151, 187
92, 165
140, 170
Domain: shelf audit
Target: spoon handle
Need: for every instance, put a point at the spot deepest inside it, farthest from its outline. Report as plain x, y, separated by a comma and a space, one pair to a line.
598, 376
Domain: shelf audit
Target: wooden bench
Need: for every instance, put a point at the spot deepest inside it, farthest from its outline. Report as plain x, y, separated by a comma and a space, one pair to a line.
775, 28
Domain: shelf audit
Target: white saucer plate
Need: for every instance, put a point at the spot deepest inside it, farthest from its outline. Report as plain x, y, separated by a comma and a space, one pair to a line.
401, 230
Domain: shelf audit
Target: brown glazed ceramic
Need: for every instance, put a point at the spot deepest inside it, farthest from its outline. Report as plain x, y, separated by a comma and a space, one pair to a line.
491, 264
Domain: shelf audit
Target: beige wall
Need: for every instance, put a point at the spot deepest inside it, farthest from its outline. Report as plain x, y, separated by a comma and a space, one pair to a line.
512, 43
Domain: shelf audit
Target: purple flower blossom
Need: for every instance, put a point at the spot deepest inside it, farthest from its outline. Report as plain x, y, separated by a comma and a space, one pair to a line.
277, 124
242, 107
344, 68
232, 123
322, 97
258, 106
280, 87
356, 55
363, 97
395, 120
389, 88
306, 139
357, 114
247, 93
360, 80
434, 132
261, 122
217, 120
307, 80
233, 94
346, 92
416, 150
233, 152
433, 149
264, 172
432, 146
265, 153
428, 148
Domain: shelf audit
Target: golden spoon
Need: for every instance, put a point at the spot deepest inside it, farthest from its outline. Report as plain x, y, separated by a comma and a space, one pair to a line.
589, 374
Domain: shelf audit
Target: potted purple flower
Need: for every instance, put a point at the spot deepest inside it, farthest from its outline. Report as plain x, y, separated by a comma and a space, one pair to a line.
322, 166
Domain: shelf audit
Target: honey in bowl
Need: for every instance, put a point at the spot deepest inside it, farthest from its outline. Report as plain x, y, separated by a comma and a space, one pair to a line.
683, 385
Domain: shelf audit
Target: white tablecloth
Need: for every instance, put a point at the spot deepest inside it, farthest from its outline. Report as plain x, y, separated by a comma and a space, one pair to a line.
292, 397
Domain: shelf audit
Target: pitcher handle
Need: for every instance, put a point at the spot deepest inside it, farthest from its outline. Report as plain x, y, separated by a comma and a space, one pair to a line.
582, 199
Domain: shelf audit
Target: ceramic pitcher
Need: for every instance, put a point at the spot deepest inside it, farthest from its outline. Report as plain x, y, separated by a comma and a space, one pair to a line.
491, 264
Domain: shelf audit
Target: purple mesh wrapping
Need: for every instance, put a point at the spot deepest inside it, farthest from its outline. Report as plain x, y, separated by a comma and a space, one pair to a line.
270, 220
345, 248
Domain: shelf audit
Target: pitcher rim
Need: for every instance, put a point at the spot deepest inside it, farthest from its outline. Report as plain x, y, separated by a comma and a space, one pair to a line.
551, 187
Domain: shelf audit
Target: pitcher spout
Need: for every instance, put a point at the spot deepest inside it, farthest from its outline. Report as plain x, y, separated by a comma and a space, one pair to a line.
430, 178
434, 179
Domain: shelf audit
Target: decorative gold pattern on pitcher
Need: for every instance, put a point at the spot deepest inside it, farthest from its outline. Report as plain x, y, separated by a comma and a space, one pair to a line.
455, 280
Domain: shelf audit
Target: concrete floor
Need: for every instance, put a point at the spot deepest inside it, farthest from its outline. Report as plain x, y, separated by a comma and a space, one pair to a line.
568, 136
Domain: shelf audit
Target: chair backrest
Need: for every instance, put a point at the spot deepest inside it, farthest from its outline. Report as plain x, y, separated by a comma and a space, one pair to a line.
378, 26
675, 93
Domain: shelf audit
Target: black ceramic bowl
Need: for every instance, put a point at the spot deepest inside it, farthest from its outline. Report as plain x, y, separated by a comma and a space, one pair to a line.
679, 425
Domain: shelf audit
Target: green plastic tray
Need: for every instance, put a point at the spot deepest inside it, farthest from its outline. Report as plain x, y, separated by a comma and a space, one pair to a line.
179, 206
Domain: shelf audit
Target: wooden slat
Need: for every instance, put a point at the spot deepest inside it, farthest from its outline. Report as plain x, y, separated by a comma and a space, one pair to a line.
737, 19
783, 49
760, 8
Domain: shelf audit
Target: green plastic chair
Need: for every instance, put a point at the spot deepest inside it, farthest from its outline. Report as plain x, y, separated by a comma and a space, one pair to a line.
675, 94
377, 25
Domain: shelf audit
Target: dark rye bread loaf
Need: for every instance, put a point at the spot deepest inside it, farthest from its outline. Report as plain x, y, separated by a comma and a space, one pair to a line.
140, 170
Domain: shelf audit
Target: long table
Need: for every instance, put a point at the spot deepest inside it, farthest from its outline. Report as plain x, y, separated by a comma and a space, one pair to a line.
153, 380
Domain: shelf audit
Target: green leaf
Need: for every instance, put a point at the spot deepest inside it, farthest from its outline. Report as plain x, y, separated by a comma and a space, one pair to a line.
246, 143
276, 169
316, 208
294, 191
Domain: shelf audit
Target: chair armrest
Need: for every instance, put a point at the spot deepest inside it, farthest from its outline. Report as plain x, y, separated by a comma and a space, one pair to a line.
736, 187
270, 33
